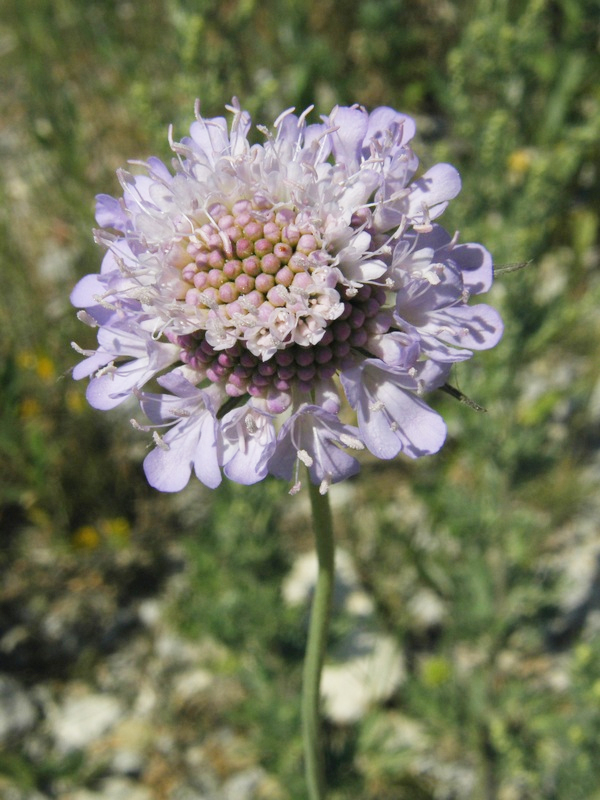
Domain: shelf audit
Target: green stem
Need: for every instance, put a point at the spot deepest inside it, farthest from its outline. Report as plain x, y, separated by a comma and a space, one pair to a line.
317, 639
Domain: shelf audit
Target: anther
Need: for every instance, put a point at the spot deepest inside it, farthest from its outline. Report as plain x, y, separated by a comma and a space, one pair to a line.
109, 369
325, 484
159, 441
136, 425
352, 442
83, 316
81, 351
305, 458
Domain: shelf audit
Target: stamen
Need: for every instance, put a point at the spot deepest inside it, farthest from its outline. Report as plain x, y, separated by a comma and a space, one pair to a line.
160, 442
136, 425
304, 114
250, 423
325, 484
283, 115
181, 412
109, 369
352, 442
305, 458
81, 351
104, 303
83, 316
425, 226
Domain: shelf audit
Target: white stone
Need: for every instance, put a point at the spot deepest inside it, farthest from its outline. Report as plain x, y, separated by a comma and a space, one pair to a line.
426, 608
112, 789
298, 585
359, 604
351, 688
149, 612
81, 720
191, 683
17, 712
370, 665
243, 785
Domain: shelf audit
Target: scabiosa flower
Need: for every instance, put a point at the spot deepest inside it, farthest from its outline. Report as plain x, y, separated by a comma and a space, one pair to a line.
257, 283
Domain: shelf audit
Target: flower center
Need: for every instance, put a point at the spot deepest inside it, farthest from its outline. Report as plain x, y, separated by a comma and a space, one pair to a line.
247, 251
242, 372
268, 311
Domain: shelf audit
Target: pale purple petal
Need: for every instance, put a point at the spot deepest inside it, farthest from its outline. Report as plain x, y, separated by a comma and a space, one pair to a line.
87, 291
176, 383
211, 137
170, 470
248, 443
136, 192
327, 396
110, 213
439, 352
159, 169
475, 263
310, 437
91, 364
122, 338
478, 327
391, 417
347, 140
432, 192
397, 349
388, 126
191, 443
110, 390
419, 298
208, 456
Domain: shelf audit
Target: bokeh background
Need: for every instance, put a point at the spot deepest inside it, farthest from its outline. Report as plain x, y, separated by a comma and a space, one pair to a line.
147, 649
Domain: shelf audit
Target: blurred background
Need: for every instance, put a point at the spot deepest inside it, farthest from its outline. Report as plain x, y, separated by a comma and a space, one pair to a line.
150, 645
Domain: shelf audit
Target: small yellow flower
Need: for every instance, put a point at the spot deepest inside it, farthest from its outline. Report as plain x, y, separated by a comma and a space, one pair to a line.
26, 359
519, 161
117, 528
45, 369
74, 399
29, 408
86, 537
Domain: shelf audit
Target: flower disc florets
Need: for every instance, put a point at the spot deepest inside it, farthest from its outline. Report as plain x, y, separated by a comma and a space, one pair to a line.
253, 277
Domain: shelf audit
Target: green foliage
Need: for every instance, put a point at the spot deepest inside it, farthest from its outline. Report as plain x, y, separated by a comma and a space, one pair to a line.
507, 91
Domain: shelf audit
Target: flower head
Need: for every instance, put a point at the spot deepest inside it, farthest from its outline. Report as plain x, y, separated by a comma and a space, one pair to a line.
251, 277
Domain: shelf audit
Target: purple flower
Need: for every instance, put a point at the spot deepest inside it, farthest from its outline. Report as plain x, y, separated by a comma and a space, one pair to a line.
256, 283
311, 436
193, 439
123, 336
248, 442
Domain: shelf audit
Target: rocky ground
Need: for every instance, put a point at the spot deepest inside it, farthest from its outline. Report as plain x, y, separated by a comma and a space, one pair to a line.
99, 695
102, 699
